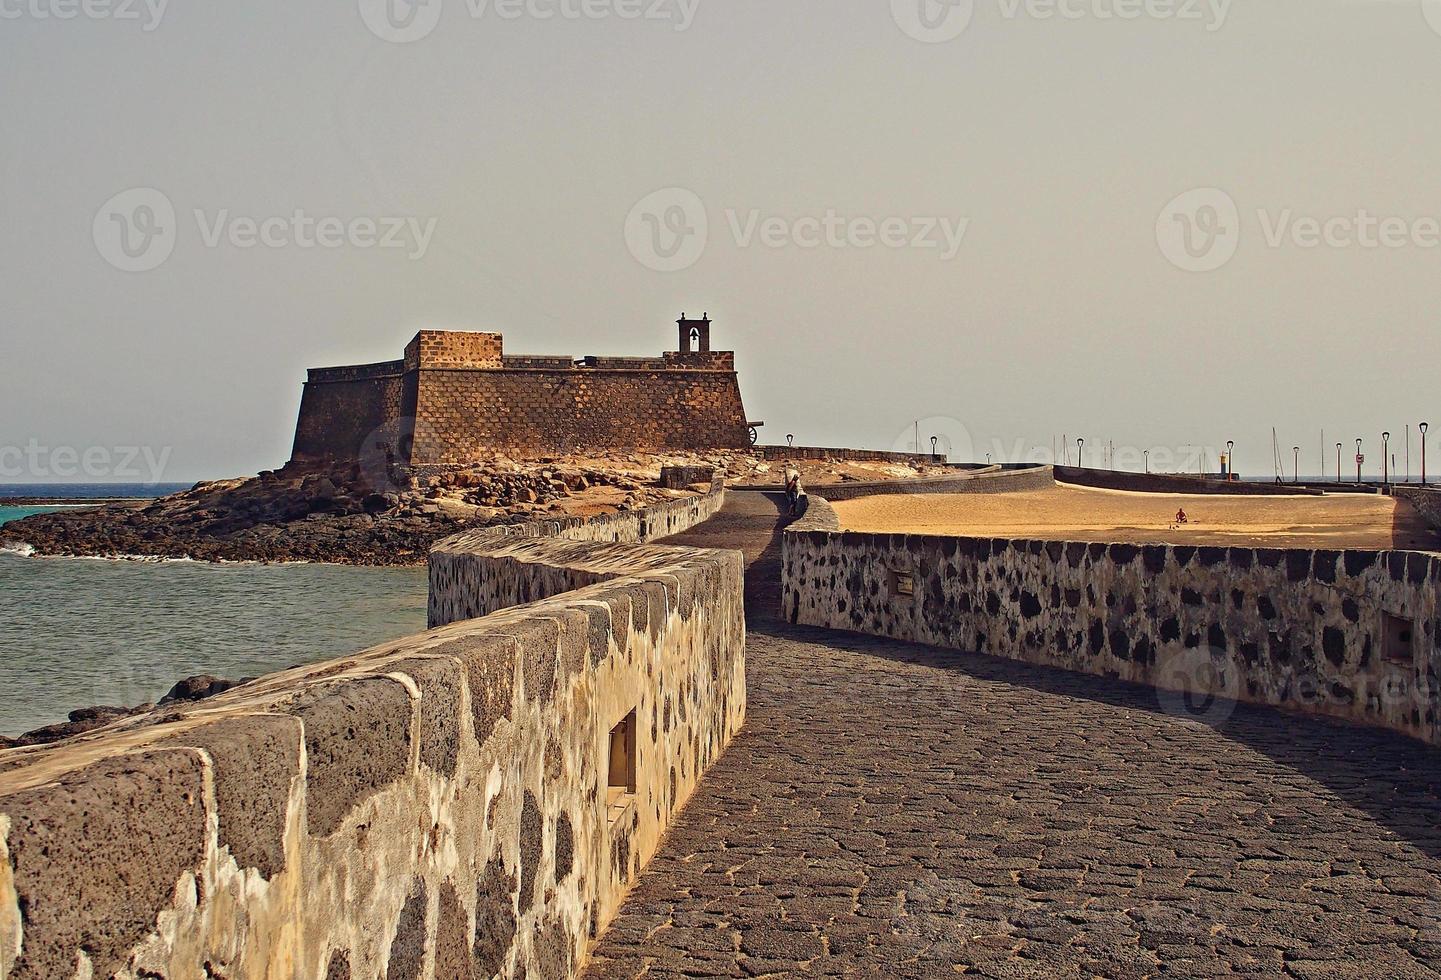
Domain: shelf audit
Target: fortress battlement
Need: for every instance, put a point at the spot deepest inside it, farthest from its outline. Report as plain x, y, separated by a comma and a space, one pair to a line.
456, 395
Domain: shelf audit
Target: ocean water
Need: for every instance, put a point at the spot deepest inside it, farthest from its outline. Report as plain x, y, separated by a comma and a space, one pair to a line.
74, 491
80, 491
78, 632
8, 514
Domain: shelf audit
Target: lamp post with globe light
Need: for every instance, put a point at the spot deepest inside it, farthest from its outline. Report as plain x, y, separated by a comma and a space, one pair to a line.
1424, 426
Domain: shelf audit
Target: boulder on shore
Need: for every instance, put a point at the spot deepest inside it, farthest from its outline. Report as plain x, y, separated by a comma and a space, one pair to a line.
197, 688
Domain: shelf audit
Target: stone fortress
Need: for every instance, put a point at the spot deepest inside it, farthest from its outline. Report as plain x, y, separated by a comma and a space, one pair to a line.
455, 396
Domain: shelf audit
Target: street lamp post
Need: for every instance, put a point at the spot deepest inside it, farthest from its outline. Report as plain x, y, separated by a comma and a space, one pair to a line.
935, 445
1230, 458
1385, 459
1080, 445
1424, 427
1338, 462
1358, 460
1296, 464
1147, 453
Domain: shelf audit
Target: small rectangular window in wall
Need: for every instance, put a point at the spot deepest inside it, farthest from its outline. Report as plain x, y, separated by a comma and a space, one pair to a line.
1398, 640
902, 583
621, 784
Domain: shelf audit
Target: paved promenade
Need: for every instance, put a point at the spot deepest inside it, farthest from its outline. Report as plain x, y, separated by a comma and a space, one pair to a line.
894, 810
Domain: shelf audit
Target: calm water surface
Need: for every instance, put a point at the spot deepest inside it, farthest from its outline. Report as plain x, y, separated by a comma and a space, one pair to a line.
80, 632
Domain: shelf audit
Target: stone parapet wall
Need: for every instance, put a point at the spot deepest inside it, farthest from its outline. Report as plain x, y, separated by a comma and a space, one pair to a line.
1175, 483
710, 360
993, 480
624, 363
1426, 501
439, 806
356, 372
818, 515
479, 572
1318, 632
838, 455
537, 362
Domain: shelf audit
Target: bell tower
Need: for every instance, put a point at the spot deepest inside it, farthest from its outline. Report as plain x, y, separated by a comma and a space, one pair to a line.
694, 334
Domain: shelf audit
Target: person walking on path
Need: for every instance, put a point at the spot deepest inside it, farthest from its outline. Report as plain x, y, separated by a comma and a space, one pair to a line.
794, 493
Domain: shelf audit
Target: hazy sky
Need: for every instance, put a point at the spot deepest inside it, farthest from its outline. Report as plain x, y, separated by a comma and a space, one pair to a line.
517, 150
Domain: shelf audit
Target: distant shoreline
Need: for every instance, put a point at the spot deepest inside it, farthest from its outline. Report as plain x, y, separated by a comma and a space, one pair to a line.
73, 501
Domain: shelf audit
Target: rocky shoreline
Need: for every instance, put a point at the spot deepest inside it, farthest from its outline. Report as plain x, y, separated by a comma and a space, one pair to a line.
82, 720
339, 517
72, 501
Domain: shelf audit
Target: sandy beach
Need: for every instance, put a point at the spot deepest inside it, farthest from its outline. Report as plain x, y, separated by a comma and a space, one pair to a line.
1083, 514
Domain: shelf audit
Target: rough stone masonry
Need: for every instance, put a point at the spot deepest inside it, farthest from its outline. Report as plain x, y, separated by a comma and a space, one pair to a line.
455, 396
1347, 634
469, 802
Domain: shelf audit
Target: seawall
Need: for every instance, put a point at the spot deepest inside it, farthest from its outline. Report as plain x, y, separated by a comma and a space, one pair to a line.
1351, 635
985, 479
1426, 501
988, 480
467, 802
1176, 483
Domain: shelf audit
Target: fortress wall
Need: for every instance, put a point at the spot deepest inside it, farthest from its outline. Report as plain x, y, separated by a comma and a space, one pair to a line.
1174, 483
537, 362
454, 349
357, 372
340, 407
462, 414
438, 806
852, 455
708, 360
1317, 632
462, 397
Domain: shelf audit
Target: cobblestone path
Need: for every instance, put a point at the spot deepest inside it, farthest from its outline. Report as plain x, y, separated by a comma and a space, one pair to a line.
892, 810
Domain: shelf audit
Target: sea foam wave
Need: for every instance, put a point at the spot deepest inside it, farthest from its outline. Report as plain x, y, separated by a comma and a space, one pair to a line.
27, 551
